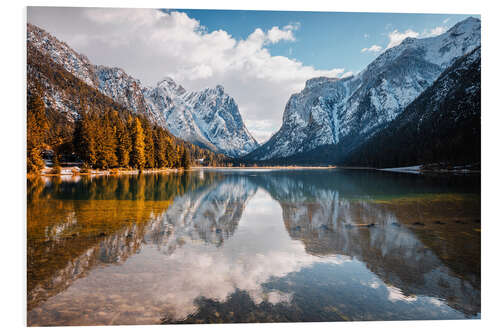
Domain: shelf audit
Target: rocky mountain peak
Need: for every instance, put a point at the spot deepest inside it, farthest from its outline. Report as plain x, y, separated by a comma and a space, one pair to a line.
311, 83
469, 24
168, 84
220, 89
209, 118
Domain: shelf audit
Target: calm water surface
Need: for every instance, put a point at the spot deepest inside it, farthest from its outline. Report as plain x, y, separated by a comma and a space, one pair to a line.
253, 246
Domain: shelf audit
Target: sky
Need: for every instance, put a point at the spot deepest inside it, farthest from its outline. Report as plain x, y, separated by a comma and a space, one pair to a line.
260, 57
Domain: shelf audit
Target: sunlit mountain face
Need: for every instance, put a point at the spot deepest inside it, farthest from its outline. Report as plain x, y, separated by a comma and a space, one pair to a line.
335, 116
258, 245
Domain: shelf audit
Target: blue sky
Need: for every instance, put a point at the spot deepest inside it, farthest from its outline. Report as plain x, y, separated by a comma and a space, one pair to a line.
324, 39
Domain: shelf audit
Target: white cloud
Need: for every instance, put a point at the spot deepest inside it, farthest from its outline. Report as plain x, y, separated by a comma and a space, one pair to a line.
276, 34
292, 26
434, 32
150, 44
446, 20
260, 129
436, 302
395, 294
396, 37
373, 48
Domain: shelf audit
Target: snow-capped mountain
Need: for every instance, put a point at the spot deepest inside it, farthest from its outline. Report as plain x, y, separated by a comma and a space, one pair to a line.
443, 123
209, 118
112, 82
348, 111
59, 52
125, 90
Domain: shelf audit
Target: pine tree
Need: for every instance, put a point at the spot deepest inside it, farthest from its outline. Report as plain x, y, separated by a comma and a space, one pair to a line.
56, 167
137, 157
185, 160
34, 161
124, 145
149, 146
160, 149
177, 158
37, 127
170, 154
84, 140
106, 143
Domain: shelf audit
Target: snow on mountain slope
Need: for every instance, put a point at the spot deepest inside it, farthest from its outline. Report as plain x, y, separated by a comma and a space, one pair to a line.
209, 118
125, 90
112, 82
443, 124
59, 52
350, 110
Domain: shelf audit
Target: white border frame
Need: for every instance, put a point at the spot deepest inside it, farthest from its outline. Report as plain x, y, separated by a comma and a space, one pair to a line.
13, 134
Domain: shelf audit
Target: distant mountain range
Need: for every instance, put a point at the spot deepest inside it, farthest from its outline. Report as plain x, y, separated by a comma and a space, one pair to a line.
423, 90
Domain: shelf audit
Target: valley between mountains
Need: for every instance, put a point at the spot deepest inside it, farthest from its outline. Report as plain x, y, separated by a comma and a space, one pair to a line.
417, 103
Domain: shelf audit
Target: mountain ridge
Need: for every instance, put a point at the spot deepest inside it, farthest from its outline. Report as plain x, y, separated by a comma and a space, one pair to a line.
209, 118
349, 110
443, 123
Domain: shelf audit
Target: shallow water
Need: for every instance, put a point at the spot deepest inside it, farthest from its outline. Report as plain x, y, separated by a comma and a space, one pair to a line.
253, 246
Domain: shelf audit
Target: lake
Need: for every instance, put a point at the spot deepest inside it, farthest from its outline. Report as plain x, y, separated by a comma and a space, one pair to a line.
253, 245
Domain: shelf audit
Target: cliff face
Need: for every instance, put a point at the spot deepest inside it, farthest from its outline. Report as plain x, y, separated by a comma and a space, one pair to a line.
209, 118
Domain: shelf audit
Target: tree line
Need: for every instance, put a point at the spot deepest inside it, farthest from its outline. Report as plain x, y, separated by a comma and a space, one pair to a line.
108, 140
105, 141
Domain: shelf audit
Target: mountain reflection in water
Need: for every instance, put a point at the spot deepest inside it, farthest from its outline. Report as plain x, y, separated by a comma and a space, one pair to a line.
253, 245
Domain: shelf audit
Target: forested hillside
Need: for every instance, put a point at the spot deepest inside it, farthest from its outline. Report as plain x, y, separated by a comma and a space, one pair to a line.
78, 123
442, 125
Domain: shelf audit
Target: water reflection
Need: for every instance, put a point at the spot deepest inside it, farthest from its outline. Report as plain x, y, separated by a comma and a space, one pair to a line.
252, 246
210, 213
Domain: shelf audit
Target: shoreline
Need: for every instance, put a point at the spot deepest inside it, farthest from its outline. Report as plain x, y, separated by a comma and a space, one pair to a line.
265, 167
431, 169
74, 171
